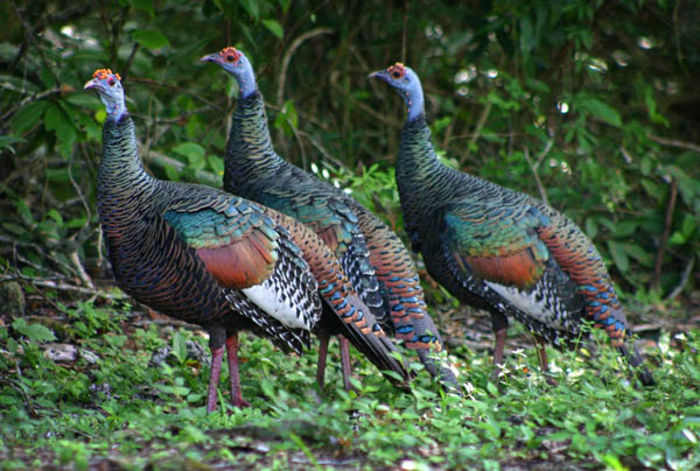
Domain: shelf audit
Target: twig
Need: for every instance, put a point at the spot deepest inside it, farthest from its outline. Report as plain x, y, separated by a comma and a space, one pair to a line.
289, 32
684, 280
100, 258
627, 156
163, 160
77, 189
177, 120
533, 167
177, 89
677, 34
477, 131
469, 135
670, 207
30, 34
10, 240
297, 137
26, 101
46, 283
282, 77
77, 289
82, 274
674, 143
404, 32
544, 153
130, 60
326, 155
366, 108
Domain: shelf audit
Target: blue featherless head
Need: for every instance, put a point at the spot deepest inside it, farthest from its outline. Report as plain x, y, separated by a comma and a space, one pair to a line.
407, 83
237, 64
109, 88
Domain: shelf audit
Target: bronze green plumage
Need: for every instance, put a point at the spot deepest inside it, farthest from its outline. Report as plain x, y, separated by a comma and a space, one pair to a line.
498, 249
375, 259
205, 256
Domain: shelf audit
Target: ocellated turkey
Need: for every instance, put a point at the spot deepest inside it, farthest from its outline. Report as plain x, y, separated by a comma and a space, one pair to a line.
501, 250
205, 256
375, 259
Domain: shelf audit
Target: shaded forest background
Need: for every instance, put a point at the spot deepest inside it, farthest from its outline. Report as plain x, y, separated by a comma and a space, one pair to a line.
591, 105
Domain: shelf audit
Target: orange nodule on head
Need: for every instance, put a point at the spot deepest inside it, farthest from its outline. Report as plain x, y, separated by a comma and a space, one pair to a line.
230, 54
102, 74
397, 70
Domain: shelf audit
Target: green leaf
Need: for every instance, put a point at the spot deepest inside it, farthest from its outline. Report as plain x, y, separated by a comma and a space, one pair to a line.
252, 7
619, 255
34, 332
180, 347
25, 213
149, 38
274, 27
193, 152
27, 117
624, 228
285, 4
602, 110
287, 119
58, 120
638, 253
75, 223
653, 189
56, 216
591, 227
650, 102
144, 5
216, 164
7, 141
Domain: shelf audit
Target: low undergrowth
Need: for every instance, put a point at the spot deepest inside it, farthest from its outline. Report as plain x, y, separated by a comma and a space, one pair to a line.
107, 388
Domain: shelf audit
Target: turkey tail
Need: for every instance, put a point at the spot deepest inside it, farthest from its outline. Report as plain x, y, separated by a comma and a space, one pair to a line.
356, 264
356, 321
367, 336
634, 358
397, 276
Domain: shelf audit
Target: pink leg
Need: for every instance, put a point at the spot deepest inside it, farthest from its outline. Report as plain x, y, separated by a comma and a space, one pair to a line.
542, 354
216, 357
498, 353
345, 362
322, 355
540, 345
232, 351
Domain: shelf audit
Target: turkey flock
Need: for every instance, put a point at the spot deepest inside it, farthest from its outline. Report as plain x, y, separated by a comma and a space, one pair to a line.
284, 254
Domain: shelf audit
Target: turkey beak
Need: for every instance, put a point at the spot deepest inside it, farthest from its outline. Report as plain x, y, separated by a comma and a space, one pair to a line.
380, 74
90, 84
210, 58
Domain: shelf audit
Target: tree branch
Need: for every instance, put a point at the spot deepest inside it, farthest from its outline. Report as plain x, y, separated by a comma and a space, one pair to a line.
286, 59
670, 207
674, 143
534, 166
163, 160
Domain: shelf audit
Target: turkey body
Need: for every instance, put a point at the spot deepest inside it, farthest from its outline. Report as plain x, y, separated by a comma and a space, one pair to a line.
374, 258
505, 252
204, 256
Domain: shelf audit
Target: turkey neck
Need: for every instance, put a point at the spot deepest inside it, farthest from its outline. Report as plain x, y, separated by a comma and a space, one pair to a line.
419, 174
122, 182
249, 151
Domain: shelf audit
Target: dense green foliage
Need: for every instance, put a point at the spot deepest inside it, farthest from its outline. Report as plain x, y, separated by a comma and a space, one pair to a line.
498, 78
592, 105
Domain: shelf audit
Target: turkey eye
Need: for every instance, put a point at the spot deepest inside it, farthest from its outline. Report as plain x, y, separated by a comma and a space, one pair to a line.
110, 81
230, 58
396, 74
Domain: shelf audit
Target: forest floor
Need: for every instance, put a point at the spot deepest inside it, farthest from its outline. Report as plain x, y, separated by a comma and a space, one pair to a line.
104, 385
